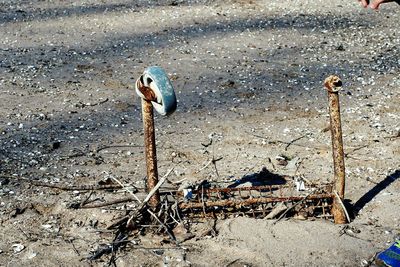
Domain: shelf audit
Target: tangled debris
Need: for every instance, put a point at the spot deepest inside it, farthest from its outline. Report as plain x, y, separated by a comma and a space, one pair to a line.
247, 71
270, 196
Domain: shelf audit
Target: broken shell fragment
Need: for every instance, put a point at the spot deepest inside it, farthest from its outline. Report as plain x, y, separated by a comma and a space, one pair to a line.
17, 248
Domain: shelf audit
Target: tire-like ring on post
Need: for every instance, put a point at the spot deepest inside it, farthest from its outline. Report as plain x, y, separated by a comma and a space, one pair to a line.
157, 80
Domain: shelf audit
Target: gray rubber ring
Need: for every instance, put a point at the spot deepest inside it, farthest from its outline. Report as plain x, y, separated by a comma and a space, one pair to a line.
156, 78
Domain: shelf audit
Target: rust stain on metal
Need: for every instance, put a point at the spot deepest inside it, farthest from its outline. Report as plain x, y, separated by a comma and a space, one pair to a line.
150, 151
333, 85
250, 201
237, 189
146, 91
258, 200
259, 188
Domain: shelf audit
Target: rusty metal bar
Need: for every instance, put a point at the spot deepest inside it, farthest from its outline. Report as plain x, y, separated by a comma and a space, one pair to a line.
150, 151
236, 202
242, 189
149, 142
333, 85
259, 188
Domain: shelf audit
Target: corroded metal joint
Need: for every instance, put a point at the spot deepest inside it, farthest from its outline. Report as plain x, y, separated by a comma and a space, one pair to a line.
146, 91
154, 86
333, 84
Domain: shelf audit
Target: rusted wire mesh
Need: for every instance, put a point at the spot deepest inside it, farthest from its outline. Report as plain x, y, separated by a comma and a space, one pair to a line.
258, 201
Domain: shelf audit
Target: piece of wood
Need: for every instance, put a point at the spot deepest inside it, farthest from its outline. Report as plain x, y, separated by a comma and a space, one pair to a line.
69, 187
163, 225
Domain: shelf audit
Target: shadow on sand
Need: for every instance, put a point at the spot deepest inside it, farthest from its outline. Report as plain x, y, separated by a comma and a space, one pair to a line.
264, 177
379, 187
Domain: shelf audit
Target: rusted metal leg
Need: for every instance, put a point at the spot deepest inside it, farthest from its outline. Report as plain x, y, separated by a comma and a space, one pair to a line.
156, 92
333, 85
150, 146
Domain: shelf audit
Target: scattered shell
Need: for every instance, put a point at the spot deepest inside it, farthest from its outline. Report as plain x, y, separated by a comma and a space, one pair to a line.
32, 255
17, 248
365, 263
47, 226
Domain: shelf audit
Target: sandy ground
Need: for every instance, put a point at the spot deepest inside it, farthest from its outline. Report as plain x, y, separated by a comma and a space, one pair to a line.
247, 74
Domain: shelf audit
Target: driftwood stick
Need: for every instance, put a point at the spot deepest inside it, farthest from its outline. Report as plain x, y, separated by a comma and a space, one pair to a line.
205, 166
342, 204
86, 200
158, 185
157, 248
109, 203
126, 188
292, 207
68, 187
119, 222
163, 225
119, 241
130, 219
82, 105
294, 140
274, 142
73, 246
114, 146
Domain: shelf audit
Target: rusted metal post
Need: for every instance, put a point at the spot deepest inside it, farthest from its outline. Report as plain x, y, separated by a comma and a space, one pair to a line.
333, 85
149, 142
156, 92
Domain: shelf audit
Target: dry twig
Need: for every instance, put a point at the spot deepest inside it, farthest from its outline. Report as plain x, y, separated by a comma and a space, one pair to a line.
103, 204
342, 204
294, 140
292, 207
126, 188
69, 187
163, 225
129, 219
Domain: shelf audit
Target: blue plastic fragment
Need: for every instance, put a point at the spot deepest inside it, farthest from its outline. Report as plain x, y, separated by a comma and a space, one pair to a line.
390, 257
